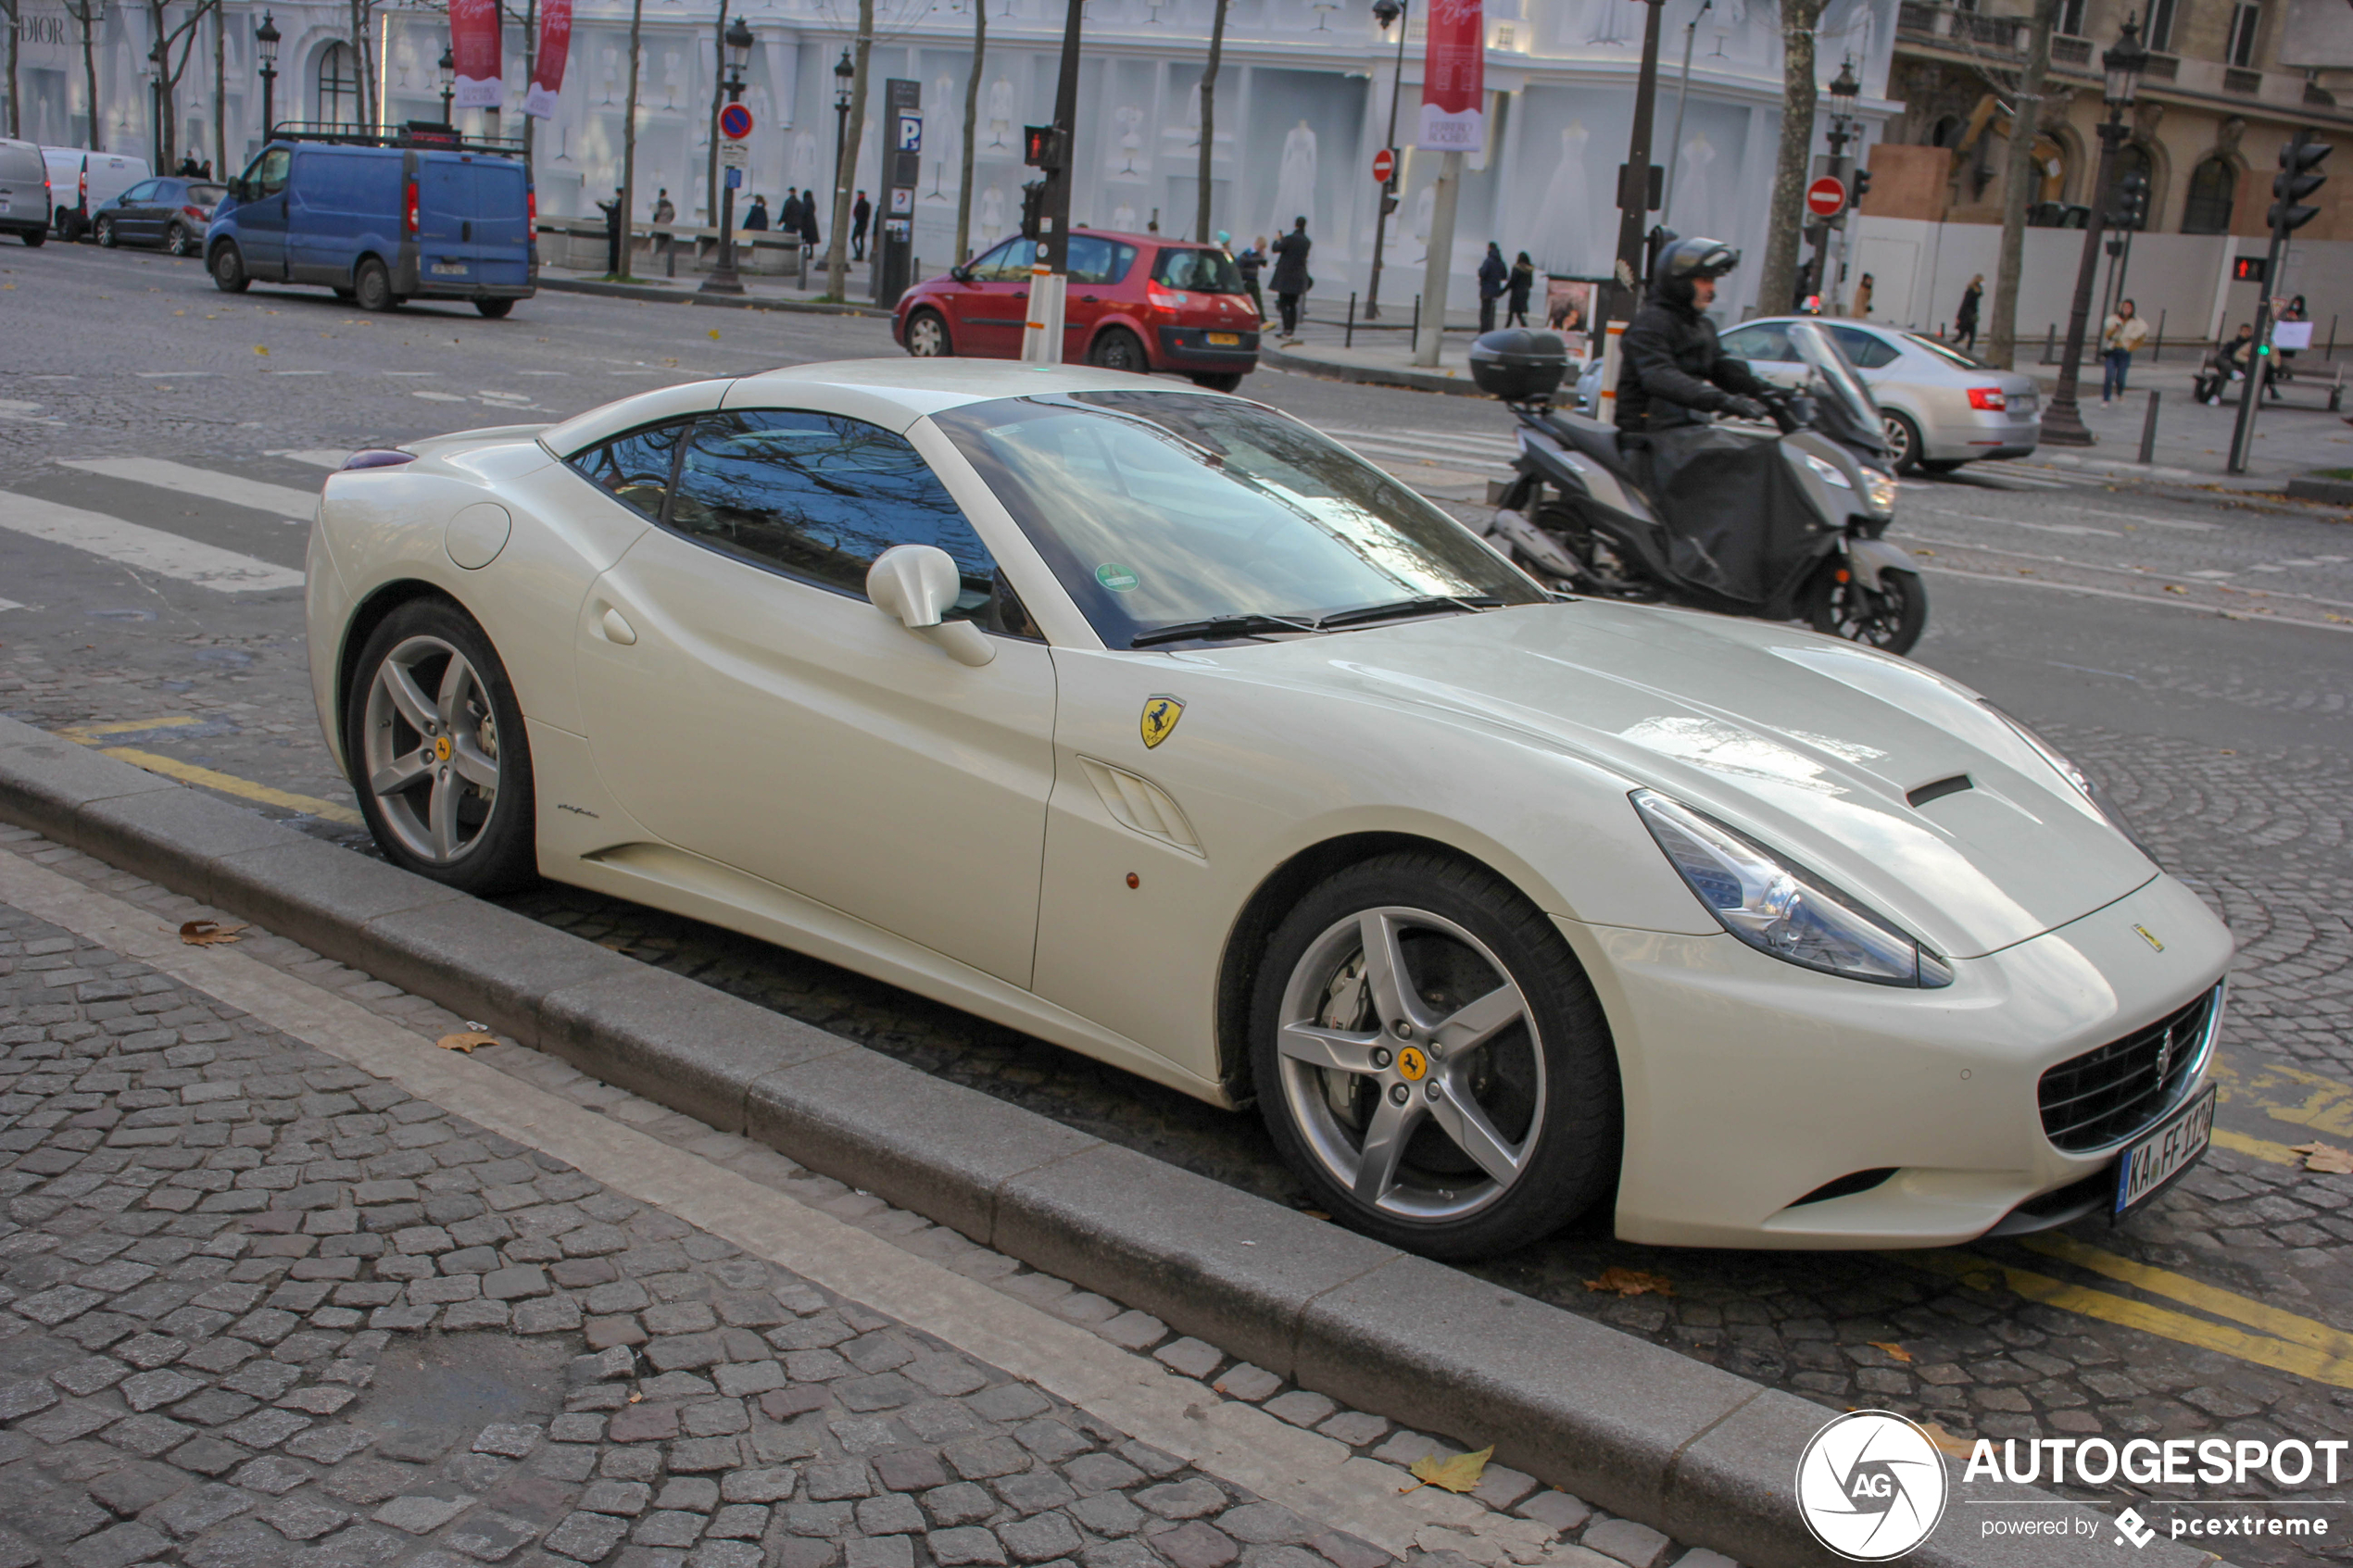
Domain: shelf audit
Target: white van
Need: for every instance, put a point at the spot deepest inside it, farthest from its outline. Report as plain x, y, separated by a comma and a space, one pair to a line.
24, 192
80, 179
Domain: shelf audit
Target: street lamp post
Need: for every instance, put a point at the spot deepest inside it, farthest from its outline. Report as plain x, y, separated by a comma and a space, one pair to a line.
265, 43
1843, 91
722, 278
449, 68
1683, 92
1389, 13
844, 74
2062, 422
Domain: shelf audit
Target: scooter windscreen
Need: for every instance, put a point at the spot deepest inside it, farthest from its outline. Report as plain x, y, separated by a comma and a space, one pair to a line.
1844, 396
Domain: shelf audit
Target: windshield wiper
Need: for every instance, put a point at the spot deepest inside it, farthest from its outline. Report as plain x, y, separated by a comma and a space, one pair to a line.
1222, 626
1424, 605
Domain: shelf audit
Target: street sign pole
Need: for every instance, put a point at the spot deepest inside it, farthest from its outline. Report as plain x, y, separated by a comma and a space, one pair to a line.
735, 125
903, 176
1041, 337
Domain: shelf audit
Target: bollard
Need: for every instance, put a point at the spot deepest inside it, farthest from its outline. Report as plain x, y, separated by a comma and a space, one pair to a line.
1349, 341
2158, 352
670, 257
2148, 431
2050, 344
1417, 320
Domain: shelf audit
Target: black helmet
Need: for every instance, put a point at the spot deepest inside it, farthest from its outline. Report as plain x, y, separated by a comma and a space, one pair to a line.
1685, 262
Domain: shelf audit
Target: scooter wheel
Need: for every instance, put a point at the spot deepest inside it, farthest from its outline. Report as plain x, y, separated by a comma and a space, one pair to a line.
1890, 618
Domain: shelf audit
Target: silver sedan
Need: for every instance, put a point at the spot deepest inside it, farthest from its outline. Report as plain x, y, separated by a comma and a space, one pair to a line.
1942, 407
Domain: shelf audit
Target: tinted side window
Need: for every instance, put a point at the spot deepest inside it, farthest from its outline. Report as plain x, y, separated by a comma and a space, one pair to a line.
1203, 272
269, 173
1865, 350
636, 468
143, 190
1009, 263
819, 497
1097, 260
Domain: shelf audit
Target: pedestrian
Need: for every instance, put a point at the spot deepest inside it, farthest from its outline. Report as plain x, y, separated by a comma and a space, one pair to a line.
1522, 283
1493, 275
188, 167
757, 219
788, 215
2119, 335
611, 210
862, 212
2284, 366
1965, 318
808, 220
1291, 280
1863, 298
665, 212
1248, 263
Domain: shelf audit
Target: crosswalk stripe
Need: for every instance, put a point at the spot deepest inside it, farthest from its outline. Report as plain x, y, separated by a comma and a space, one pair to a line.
150, 549
279, 500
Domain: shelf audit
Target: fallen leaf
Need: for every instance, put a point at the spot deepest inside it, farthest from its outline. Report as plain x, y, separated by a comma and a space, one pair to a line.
1315, 1213
634, 1397
1923, 552
2175, 588
1944, 1442
1630, 1282
1893, 1349
466, 1040
1459, 1473
207, 932
2326, 1157
263, 352
715, 335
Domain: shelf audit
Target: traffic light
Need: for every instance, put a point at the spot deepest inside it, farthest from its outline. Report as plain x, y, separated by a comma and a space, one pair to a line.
1861, 181
1041, 147
1033, 209
2129, 207
2298, 177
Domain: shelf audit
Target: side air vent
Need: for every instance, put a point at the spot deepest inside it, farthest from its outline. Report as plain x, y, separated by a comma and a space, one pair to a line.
1939, 790
1859, 1181
1140, 805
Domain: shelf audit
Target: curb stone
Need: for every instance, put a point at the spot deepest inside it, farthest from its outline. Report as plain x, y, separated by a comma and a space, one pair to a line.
690, 296
1367, 375
1697, 1452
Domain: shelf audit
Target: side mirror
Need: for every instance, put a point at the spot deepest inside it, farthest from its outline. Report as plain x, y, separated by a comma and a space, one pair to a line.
960, 274
919, 584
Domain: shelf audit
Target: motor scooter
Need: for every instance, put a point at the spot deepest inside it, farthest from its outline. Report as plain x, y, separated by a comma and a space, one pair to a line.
1807, 543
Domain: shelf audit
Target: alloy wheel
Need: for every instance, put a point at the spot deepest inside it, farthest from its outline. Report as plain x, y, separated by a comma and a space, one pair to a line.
431, 762
926, 337
1411, 1064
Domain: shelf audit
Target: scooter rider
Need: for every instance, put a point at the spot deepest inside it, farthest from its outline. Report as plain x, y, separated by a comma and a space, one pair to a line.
1671, 370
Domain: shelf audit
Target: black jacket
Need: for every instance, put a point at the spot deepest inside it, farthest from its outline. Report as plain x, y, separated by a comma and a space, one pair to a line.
1291, 263
1671, 370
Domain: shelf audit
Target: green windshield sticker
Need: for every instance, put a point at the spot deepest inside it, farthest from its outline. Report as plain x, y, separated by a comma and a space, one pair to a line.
1115, 577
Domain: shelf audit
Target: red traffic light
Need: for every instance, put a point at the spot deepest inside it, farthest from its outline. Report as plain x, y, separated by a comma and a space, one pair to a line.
1041, 147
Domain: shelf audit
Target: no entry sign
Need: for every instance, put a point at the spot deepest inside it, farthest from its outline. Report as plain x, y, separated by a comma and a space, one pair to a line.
1384, 166
1826, 198
735, 122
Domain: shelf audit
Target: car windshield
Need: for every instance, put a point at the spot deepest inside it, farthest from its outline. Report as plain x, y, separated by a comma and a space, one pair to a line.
1160, 510
1202, 271
1947, 352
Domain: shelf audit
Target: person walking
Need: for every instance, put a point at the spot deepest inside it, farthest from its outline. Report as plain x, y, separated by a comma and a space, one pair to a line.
1523, 284
757, 219
1965, 318
1863, 298
1291, 281
2119, 335
862, 212
611, 210
1493, 275
789, 215
1248, 263
808, 220
666, 211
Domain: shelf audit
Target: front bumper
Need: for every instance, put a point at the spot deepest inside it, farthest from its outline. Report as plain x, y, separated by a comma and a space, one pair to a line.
1749, 1083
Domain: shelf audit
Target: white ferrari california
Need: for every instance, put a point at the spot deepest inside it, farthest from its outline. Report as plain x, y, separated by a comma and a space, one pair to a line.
1153, 722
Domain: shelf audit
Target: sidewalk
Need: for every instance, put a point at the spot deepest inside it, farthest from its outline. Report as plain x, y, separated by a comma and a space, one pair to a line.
762, 290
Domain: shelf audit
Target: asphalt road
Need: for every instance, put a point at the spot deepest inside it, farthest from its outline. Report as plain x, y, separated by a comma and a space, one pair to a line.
2193, 649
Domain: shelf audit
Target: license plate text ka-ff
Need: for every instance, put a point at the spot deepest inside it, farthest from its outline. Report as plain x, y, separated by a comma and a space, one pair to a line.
2150, 1164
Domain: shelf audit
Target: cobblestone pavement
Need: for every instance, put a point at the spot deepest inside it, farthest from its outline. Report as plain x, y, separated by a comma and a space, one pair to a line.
260, 1307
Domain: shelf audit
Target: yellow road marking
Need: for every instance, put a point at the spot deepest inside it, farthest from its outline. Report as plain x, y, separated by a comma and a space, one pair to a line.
2288, 1094
2192, 1292
2261, 1149
188, 773
2281, 1355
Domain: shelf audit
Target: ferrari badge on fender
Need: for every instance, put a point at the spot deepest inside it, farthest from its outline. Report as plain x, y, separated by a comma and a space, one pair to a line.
1160, 714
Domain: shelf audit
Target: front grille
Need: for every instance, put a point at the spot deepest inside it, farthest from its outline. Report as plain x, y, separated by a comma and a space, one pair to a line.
2104, 1096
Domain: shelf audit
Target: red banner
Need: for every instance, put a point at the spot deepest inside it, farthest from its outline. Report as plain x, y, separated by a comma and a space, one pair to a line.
475, 45
548, 65
1454, 77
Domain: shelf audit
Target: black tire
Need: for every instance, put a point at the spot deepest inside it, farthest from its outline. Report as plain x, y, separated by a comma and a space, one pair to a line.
1118, 349
179, 241
495, 309
1903, 441
927, 335
35, 238
1890, 620
104, 232
1546, 1084
229, 270
372, 286
1941, 466
1224, 381
498, 852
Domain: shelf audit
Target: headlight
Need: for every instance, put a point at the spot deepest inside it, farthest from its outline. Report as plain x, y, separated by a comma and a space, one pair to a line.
2077, 777
1879, 489
1828, 473
1783, 910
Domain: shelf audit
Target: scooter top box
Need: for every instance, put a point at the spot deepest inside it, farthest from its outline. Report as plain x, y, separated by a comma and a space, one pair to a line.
1518, 364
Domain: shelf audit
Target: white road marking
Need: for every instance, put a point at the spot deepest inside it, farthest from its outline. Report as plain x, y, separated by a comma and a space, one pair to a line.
318, 457
412, 372
150, 549
2020, 522
2217, 612
439, 397
2151, 521
11, 604
172, 375
280, 500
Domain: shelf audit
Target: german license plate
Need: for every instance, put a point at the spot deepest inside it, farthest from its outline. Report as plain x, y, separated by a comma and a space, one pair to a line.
450, 268
2150, 1164
1224, 340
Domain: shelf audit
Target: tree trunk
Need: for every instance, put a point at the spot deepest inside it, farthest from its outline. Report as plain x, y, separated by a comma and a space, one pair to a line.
1209, 117
529, 69
159, 101
2018, 184
1785, 222
971, 129
718, 96
837, 251
90, 77
221, 92
15, 118
629, 138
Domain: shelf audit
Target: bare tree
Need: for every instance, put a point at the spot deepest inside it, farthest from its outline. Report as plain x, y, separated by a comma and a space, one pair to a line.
1777, 280
1209, 117
8, 10
718, 96
85, 12
629, 138
221, 92
169, 41
2018, 182
971, 129
837, 253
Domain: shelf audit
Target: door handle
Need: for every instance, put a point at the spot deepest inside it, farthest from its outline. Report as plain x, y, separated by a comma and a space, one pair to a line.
618, 629
1088, 299
465, 230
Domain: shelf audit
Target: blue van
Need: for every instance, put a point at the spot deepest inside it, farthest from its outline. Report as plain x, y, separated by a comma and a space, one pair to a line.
380, 218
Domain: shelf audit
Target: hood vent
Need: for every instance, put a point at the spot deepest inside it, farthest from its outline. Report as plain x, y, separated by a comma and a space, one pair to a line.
1938, 790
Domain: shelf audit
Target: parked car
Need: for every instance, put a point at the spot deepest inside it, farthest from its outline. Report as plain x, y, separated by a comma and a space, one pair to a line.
1942, 407
171, 212
1136, 302
380, 218
24, 192
81, 181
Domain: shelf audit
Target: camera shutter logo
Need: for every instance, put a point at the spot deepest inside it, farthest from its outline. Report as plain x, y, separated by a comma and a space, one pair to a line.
1872, 1485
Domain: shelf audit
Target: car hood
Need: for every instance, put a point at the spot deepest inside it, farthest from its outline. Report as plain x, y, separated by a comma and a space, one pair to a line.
1814, 746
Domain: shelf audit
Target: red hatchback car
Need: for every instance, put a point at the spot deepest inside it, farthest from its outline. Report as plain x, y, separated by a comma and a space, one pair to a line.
1135, 302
